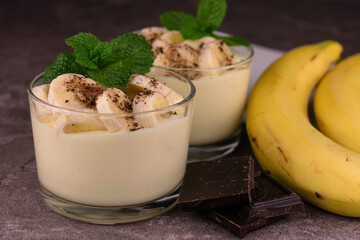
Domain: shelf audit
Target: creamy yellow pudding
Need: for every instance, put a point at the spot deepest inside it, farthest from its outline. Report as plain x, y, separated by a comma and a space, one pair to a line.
112, 169
219, 104
220, 74
111, 150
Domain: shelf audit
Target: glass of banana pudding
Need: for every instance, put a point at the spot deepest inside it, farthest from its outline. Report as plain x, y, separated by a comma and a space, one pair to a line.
221, 76
111, 155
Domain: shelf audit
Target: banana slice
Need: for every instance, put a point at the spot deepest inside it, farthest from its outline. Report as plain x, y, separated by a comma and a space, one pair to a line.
159, 47
147, 101
43, 112
113, 100
199, 44
179, 56
215, 54
157, 96
152, 33
42, 92
79, 123
161, 44
74, 91
152, 84
172, 37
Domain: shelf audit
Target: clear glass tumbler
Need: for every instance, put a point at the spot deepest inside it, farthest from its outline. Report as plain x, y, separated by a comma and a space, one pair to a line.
92, 175
219, 105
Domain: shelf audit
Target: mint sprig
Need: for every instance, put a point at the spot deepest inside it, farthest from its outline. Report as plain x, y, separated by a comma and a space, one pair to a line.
210, 15
175, 20
65, 63
83, 44
110, 64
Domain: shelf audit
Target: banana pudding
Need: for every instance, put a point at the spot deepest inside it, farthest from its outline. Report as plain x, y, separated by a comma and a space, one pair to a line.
111, 146
220, 74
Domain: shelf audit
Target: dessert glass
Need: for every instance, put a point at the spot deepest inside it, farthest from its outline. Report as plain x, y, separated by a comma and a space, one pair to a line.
219, 105
100, 177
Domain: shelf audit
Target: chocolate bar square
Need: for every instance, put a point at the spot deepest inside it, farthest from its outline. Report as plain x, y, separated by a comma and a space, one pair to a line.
217, 183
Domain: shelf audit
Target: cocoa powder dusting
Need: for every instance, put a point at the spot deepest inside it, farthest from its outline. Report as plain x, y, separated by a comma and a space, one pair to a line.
123, 104
85, 92
153, 82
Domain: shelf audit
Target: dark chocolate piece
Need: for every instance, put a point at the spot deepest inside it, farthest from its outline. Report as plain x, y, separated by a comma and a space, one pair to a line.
236, 223
217, 183
270, 202
270, 199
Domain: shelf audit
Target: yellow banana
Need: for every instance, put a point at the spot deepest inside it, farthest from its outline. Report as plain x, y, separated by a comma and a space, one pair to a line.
337, 103
321, 171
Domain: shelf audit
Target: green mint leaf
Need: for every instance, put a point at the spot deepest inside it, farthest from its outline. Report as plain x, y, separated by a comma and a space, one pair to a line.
211, 13
82, 44
65, 63
100, 54
193, 33
134, 52
113, 75
174, 20
82, 41
84, 60
110, 64
233, 41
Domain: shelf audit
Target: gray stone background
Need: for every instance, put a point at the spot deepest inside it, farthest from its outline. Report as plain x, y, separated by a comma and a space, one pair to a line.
32, 33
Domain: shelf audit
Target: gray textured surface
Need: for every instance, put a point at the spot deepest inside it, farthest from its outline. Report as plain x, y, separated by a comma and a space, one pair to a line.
32, 33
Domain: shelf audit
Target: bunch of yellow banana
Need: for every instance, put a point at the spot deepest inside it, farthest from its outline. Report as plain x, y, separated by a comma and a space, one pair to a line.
284, 141
337, 103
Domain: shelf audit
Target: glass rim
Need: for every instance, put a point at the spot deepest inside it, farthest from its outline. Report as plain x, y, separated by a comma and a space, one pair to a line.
187, 99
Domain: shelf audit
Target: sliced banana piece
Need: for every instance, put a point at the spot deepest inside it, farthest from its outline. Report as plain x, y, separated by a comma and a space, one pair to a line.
152, 84
41, 92
159, 47
74, 91
113, 100
172, 37
161, 44
215, 54
157, 96
148, 101
79, 122
199, 44
180, 56
152, 33
43, 112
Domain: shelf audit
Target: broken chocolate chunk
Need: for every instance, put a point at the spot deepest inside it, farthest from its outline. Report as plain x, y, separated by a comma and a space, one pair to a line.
237, 224
217, 183
271, 199
270, 202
